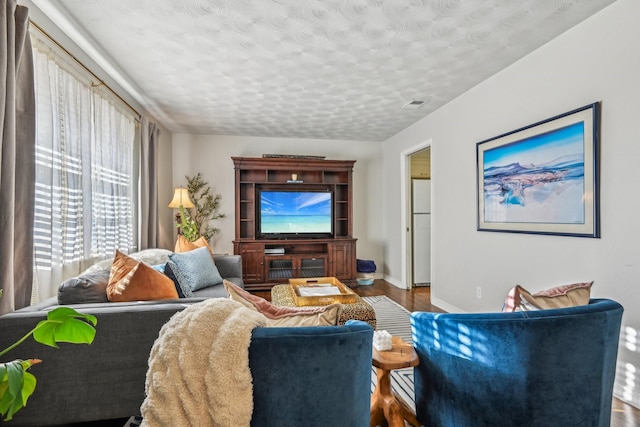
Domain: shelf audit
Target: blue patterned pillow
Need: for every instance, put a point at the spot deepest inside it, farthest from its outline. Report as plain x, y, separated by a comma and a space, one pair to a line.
194, 270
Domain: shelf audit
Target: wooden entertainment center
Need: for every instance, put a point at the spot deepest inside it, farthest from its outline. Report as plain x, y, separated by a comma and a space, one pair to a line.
268, 261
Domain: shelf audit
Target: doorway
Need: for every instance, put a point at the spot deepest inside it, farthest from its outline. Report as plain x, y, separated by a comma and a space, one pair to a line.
418, 199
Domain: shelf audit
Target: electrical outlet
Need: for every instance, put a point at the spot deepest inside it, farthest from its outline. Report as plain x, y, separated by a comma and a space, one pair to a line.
479, 292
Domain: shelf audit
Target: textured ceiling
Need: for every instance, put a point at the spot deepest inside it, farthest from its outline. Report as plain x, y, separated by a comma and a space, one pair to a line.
335, 69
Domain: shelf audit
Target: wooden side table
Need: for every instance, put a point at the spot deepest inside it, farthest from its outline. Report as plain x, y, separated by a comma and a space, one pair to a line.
385, 405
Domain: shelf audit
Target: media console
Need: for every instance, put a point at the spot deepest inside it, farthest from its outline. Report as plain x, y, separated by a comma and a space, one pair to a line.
268, 260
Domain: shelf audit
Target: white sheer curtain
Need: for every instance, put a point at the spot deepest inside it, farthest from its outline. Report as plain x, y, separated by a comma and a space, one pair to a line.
84, 158
113, 178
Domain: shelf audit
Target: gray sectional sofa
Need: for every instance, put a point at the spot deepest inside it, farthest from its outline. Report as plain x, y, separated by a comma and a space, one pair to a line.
104, 380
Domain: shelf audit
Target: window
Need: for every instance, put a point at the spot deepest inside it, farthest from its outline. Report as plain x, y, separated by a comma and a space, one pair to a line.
85, 183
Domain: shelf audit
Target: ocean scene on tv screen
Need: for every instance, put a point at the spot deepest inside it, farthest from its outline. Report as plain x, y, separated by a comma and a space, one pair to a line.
295, 212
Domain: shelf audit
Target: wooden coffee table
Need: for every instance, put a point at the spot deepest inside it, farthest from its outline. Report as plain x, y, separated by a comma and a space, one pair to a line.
282, 296
385, 405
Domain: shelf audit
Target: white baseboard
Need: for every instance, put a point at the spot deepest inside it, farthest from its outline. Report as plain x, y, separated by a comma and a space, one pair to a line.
621, 392
394, 282
626, 386
446, 306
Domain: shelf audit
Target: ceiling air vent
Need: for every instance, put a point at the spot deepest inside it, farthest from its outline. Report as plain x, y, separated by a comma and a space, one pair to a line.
413, 104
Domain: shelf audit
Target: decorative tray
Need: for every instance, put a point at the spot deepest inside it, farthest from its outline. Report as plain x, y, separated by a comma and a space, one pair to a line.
321, 291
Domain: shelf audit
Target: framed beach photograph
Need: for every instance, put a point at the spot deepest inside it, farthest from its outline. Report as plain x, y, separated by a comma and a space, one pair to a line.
543, 178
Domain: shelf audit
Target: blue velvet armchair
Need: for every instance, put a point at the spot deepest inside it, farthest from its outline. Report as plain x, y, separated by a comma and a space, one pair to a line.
311, 376
541, 368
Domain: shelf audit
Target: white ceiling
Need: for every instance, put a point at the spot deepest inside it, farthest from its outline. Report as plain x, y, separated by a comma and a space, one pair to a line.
334, 69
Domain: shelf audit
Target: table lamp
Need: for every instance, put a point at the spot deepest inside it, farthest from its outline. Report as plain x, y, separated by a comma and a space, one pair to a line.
180, 199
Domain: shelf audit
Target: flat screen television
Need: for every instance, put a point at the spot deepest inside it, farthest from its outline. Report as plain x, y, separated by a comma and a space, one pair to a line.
289, 214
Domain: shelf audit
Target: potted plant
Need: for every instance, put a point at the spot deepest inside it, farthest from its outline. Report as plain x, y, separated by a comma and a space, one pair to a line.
206, 207
188, 227
63, 324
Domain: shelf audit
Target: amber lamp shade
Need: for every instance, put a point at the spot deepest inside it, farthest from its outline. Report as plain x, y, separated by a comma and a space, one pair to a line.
181, 198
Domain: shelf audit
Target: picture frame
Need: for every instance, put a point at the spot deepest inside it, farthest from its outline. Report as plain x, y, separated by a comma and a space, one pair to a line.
542, 178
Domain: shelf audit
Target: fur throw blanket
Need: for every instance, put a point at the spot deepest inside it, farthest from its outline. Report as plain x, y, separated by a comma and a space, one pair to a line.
199, 367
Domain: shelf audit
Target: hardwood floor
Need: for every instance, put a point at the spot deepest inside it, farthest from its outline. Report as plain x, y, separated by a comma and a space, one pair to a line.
416, 299
419, 299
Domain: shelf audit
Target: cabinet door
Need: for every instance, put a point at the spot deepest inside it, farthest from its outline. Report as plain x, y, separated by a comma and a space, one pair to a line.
312, 267
252, 263
342, 260
280, 268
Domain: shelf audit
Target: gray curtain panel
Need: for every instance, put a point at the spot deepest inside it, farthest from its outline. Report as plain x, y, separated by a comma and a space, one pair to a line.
149, 227
17, 164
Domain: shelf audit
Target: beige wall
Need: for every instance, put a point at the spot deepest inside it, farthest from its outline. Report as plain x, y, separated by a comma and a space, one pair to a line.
595, 61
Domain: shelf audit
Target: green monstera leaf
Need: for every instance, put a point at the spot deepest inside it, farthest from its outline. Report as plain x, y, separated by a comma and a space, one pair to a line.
63, 324
16, 385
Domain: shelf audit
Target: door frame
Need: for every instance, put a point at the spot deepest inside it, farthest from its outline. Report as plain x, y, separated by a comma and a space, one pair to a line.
405, 190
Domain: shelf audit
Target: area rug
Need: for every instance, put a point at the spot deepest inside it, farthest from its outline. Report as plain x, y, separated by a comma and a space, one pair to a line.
394, 318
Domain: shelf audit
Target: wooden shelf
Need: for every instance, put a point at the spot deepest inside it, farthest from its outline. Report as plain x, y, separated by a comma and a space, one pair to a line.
338, 254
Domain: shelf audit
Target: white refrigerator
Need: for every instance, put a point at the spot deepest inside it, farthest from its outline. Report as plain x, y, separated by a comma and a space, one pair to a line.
421, 231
